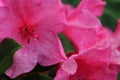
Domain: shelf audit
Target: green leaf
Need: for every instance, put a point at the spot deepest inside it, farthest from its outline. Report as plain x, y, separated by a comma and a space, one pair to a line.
4, 77
34, 76
112, 8
7, 49
40, 68
68, 46
108, 21
53, 72
111, 14
118, 77
38, 77
72, 2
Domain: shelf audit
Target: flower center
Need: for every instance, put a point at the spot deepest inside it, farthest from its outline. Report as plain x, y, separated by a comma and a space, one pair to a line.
28, 33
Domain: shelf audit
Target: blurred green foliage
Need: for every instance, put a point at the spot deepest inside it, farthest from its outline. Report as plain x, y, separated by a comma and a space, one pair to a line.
72, 2
34, 76
8, 47
67, 45
111, 14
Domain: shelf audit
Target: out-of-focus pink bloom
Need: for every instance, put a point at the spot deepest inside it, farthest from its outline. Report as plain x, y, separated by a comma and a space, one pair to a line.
34, 24
96, 7
99, 61
92, 64
84, 24
95, 56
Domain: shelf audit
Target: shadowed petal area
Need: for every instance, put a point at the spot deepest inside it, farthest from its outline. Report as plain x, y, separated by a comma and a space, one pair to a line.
49, 48
24, 61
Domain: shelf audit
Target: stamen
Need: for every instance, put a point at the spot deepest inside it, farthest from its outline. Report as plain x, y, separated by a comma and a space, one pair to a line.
28, 33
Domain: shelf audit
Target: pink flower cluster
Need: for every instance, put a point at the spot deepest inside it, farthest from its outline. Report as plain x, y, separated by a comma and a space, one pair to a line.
35, 25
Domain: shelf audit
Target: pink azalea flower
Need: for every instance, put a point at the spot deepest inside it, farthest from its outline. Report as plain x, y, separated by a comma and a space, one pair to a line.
97, 56
89, 64
96, 60
34, 24
82, 18
83, 21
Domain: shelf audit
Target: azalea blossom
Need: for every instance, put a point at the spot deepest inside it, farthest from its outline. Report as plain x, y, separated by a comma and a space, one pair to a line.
97, 56
96, 59
95, 7
34, 24
82, 20
93, 58
90, 64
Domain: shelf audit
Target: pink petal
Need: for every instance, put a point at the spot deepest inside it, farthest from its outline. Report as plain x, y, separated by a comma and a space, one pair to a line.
115, 38
115, 61
84, 38
104, 75
69, 9
96, 7
93, 63
69, 66
24, 61
49, 48
101, 52
55, 22
66, 68
83, 18
1, 3
8, 23
50, 13
81, 37
62, 75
